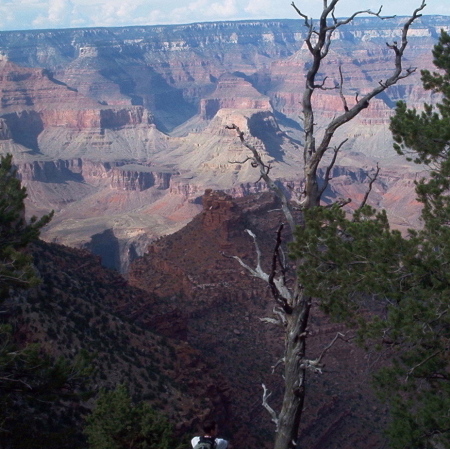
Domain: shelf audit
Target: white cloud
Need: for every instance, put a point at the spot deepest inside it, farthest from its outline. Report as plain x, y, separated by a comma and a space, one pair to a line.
227, 8
57, 14
201, 10
6, 16
59, 10
121, 13
26, 14
258, 7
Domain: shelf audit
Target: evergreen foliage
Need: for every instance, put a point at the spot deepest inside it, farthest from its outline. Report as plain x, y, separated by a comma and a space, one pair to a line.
33, 384
397, 288
33, 387
117, 423
16, 269
346, 260
295, 307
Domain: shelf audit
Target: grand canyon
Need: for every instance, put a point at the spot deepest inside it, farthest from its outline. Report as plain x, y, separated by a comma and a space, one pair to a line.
122, 133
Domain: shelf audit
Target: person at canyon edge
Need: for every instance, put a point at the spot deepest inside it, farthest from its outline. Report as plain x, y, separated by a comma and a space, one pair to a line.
209, 439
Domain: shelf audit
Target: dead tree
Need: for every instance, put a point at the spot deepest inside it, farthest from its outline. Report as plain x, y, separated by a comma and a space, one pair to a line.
293, 307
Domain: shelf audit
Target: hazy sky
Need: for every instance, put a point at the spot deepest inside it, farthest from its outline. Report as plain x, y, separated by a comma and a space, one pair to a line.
32, 14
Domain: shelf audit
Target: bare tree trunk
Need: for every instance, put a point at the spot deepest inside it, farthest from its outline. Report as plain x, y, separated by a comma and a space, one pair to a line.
294, 308
318, 42
295, 376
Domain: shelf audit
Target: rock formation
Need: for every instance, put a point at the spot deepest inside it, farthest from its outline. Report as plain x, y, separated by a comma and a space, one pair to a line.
217, 308
81, 306
232, 92
121, 131
146, 107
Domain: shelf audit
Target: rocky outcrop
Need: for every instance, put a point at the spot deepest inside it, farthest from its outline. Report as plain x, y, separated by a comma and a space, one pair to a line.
121, 176
98, 118
186, 267
87, 114
219, 211
232, 92
5, 133
33, 101
186, 188
51, 171
34, 88
138, 179
220, 306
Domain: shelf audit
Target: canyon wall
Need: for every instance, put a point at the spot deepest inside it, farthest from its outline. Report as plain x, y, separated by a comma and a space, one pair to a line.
208, 300
122, 130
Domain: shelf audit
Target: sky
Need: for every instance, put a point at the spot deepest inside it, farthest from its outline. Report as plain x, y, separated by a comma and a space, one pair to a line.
43, 14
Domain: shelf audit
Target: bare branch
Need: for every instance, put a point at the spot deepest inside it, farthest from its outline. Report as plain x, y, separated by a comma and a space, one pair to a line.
264, 169
313, 154
271, 321
275, 286
340, 202
321, 86
339, 335
308, 22
269, 167
316, 365
279, 362
327, 177
344, 101
258, 251
280, 313
281, 320
10, 379
271, 411
258, 271
372, 180
339, 23
411, 371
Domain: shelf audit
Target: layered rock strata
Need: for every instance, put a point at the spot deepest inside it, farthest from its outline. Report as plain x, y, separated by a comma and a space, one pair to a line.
112, 96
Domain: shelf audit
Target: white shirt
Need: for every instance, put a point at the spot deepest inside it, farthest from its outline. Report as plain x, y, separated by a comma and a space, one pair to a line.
220, 444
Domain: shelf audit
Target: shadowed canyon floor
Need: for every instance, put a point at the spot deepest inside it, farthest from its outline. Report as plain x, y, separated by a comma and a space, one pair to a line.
184, 331
216, 307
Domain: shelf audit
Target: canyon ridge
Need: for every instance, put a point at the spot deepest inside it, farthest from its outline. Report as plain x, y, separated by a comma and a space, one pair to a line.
121, 130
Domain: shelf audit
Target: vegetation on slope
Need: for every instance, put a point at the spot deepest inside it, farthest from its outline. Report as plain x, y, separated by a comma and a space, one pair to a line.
73, 333
361, 265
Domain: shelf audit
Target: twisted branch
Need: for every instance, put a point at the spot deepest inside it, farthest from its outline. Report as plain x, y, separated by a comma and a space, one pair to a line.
372, 180
271, 411
264, 170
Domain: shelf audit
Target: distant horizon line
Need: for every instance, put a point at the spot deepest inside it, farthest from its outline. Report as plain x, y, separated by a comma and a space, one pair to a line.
174, 25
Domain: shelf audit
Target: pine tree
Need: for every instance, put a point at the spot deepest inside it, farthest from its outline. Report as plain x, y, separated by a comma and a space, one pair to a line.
33, 384
424, 406
360, 264
16, 234
117, 423
294, 302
